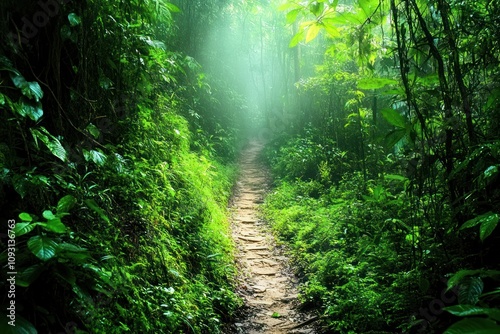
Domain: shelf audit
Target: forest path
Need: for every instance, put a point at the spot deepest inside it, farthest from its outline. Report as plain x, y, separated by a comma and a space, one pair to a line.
266, 282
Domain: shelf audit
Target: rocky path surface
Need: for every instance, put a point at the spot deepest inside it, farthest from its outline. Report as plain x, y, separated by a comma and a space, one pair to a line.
266, 283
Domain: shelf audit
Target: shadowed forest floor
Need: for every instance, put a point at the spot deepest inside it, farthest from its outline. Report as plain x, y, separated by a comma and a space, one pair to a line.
266, 282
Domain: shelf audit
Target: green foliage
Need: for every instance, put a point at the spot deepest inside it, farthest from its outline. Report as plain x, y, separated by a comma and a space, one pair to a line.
470, 293
409, 101
48, 253
310, 158
468, 310
352, 253
394, 118
129, 135
474, 325
52, 143
385, 151
181, 207
375, 83
462, 274
488, 223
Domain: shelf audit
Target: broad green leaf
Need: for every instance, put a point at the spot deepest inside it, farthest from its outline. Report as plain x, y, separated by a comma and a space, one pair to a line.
488, 224
312, 32
22, 326
25, 217
74, 19
347, 18
20, 109
291, 16
28, 108
469, 290
96, 208
56, 226
52, 143
93, 130
460, 275
31, 90
368, 6
97, 157
65, 204
475, 221
47, 214
468, 310
36, 90
331, 21
40, 180
297, 38
23, 228
474, 326
43, 247
332, 31
394, 118
375, 83
393, 137
118, 163
172, 8
488, 221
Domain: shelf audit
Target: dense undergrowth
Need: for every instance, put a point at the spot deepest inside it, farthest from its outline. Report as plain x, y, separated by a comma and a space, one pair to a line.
116, 167
119, 125
386, 159
138, 241
171, 264
369, 259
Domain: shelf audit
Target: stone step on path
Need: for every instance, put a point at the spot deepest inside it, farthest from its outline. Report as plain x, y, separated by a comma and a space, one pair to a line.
266, 283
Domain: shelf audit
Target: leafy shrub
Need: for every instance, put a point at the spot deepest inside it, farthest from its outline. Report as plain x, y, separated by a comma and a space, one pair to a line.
309, 157
350, 250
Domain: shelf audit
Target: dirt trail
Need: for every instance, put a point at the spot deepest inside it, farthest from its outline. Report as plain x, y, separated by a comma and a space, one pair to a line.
265, 282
